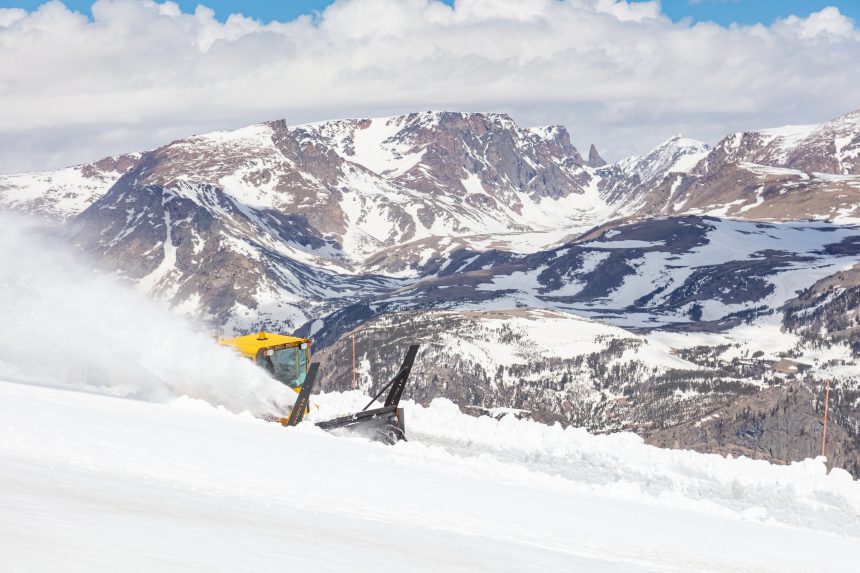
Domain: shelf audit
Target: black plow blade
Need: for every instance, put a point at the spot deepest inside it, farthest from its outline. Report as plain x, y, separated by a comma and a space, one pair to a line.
385, 424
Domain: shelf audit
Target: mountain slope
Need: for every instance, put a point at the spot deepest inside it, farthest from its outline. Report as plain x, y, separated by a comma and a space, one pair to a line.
367, 184
630, 182
246, 226
688, 273
789, 173
200, 250
544, 365
62, 194
830, 147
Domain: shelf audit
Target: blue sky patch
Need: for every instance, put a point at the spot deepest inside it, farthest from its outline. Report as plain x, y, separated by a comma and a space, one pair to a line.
723, 12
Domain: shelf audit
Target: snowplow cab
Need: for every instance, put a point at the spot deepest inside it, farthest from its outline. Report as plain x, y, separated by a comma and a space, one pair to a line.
285, 357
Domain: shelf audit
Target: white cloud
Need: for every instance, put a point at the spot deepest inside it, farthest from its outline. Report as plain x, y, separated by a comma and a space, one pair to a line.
617, 74
827, 22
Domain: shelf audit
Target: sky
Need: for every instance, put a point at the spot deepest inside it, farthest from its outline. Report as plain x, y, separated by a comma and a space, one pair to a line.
724, 12
80, 80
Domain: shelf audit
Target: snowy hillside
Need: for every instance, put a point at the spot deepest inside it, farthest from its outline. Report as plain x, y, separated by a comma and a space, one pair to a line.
791, 172
108, 483
752, 381
696, 272
547, 366
63, 193
831, 147
629, 182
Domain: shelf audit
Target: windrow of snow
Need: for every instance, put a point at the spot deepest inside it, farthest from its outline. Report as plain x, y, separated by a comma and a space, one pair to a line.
621, 466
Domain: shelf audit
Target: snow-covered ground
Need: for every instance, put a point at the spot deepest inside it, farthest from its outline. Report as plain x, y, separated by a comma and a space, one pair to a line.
98, 483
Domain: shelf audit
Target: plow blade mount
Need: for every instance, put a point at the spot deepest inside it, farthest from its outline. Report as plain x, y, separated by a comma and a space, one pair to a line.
381, 424
385, 424
304, 397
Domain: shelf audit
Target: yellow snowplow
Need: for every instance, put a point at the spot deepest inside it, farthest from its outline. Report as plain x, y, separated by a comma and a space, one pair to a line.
287, 359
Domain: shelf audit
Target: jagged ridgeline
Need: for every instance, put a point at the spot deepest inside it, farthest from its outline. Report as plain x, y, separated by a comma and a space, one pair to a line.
695, 295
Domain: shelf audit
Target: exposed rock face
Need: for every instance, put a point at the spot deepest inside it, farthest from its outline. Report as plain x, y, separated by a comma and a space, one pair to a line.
629, 183
594, 158
462, 169
781, 424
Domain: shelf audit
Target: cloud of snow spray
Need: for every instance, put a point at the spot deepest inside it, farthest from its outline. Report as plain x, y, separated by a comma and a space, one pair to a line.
62, 324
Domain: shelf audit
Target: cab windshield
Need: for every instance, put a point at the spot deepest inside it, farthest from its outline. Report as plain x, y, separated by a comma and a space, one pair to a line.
287, 365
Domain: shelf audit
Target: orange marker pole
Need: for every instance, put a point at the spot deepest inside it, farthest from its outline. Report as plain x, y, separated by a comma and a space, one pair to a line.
354, 386
826, 402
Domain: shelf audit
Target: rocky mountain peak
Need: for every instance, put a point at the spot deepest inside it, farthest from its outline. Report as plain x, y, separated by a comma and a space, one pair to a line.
830, 147
631, 181
367, 185
594, 158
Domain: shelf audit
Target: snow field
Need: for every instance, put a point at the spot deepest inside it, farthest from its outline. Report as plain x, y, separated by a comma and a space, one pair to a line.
95, 483
730, 240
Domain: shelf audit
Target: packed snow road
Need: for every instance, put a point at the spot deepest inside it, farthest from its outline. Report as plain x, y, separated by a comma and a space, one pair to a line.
97, 483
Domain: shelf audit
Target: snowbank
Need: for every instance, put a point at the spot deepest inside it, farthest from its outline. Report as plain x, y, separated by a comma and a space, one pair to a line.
622, 466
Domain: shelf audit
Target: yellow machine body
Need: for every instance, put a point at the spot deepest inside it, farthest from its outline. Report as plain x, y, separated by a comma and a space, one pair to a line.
285, 357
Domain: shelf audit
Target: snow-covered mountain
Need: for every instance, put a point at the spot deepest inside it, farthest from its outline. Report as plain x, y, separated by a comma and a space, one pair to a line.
630, 181
63, 193
831, 147
789, 173
340, 201
363, 185
459, 174
209, 255
428, 217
